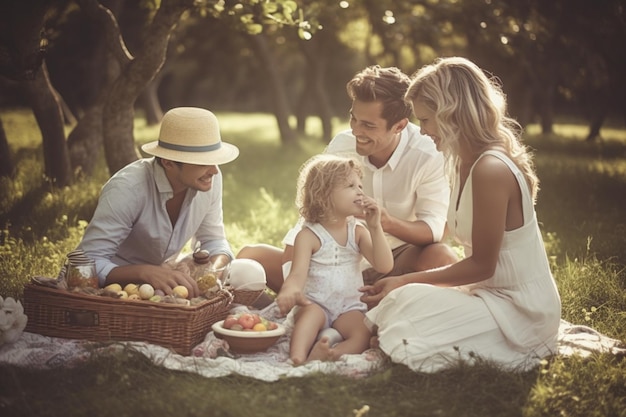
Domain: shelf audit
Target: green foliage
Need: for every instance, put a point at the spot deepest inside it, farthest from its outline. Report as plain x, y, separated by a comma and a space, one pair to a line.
577, 387
254, 16
593, 293
581, 212
20, 261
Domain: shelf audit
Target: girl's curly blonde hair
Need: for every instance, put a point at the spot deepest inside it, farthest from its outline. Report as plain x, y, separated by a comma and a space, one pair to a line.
319, 176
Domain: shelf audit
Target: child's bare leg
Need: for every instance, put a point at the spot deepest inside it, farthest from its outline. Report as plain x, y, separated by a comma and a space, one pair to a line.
356, 338
309, 320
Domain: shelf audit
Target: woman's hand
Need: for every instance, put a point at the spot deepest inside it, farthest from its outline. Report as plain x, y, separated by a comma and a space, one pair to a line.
372, 294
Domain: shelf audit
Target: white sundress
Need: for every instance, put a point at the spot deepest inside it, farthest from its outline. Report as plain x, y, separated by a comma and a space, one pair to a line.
511, 318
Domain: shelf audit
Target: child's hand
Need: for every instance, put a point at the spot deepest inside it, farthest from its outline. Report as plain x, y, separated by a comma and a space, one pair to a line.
371, 212
287, 298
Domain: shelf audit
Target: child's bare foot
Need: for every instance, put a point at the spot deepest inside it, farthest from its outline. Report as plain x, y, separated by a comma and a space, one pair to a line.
321, 351
296, 361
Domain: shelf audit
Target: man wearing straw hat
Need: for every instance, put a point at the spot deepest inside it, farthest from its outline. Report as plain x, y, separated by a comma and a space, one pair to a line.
151, 208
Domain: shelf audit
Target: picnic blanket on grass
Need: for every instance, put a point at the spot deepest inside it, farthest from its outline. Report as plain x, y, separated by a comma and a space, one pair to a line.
212, 358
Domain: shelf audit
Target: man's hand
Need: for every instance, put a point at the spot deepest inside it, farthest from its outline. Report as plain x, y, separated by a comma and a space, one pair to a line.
165, 279
161, 277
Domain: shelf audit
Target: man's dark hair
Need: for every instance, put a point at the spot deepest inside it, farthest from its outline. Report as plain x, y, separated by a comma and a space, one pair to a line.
386, 85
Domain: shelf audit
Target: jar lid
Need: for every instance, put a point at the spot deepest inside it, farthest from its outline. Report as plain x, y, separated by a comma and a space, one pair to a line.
201, 256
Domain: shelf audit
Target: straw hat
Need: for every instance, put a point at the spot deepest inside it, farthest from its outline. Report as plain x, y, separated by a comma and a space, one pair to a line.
191, 135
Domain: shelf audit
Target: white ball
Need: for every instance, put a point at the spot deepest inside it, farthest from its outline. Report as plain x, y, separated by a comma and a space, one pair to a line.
246, 274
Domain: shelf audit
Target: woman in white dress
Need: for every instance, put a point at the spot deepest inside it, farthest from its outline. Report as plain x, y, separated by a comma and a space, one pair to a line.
500, 302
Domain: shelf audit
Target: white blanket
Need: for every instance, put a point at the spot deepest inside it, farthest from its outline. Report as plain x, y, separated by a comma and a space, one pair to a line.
211, 358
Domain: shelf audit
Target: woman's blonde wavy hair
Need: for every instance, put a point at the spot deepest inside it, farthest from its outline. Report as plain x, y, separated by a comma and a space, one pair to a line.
319, 176
470, 106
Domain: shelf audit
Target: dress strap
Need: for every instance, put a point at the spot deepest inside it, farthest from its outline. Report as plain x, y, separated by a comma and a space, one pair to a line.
319, 231
324, 236
527, 201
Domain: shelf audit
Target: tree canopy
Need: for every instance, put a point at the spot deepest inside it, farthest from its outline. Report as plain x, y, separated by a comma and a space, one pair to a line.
94, 63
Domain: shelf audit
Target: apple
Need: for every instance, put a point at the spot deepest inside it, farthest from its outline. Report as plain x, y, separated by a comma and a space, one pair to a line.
122, 294
229, 321
246, 321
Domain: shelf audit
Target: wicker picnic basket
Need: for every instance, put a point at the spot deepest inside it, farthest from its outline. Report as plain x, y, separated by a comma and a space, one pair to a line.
246, 297
60, 313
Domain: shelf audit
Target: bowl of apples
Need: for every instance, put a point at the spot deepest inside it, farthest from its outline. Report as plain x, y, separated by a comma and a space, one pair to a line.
248, 332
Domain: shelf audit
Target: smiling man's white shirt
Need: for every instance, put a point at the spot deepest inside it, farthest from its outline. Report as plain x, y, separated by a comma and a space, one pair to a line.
410, 186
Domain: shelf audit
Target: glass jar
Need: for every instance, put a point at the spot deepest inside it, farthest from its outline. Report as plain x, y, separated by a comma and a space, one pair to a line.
206, 275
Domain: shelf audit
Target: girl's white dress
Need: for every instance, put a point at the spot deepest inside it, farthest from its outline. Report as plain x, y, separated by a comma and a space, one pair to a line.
511, 318
335, 273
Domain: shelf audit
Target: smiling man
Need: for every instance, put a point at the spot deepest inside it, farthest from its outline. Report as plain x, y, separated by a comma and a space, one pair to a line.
404, 172
152, 207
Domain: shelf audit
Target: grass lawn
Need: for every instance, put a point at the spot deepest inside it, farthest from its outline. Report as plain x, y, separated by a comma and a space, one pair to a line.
580, 208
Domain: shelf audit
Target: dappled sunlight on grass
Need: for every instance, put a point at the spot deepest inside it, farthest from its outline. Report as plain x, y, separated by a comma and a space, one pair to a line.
575, 386
571, 131
21, 129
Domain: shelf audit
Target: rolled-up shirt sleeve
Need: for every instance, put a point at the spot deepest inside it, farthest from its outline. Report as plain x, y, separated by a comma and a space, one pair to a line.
433, 195
211, 233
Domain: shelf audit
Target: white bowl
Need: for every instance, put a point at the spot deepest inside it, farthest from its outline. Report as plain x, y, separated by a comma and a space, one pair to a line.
248, 341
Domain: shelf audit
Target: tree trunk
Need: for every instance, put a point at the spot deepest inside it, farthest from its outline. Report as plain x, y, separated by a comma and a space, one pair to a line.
302, 108
594, 128
546, 92
282, 109
49, 116
118, 111
86, 139
111, 120
316, 79
7, 167
149, 102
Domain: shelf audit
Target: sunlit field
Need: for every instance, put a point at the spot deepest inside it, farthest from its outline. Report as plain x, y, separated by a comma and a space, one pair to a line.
580, 207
